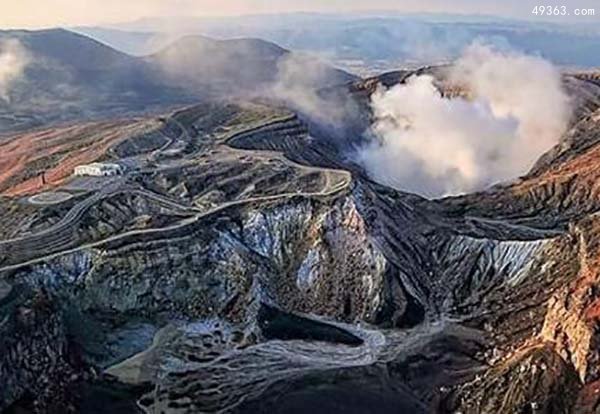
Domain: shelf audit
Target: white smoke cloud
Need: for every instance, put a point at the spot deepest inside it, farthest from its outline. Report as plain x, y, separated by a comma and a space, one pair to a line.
297, 82
13, 61
434, 146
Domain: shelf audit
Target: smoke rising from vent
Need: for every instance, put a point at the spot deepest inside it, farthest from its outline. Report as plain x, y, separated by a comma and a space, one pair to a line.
13, 61
435, 146
297, 82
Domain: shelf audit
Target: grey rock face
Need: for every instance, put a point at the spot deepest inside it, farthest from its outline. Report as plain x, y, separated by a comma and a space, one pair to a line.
223, 269
208, 268
35, 358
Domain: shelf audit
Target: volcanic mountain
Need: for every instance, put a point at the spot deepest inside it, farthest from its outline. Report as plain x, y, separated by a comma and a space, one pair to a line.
243, 263
69, 76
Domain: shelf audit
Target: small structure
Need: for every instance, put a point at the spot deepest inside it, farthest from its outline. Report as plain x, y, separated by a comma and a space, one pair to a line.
99, 169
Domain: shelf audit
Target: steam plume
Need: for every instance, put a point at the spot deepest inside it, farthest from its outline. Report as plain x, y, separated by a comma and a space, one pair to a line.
297, 82
13, 60
428, 144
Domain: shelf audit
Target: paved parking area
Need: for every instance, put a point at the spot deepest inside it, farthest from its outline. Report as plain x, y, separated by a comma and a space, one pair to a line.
50, 197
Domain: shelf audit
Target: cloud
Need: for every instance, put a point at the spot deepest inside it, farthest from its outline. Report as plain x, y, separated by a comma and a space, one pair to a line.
13, 61
425, 143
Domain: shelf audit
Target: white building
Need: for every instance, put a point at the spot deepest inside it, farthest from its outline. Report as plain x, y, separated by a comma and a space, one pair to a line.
99, 169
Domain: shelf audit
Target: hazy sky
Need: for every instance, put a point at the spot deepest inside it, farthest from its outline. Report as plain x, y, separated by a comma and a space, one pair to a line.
48, 13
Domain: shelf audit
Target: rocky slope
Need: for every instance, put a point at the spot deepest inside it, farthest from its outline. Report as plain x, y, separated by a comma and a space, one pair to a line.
37, 359
247, 266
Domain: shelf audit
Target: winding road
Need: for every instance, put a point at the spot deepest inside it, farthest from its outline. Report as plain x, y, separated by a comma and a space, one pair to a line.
58, 239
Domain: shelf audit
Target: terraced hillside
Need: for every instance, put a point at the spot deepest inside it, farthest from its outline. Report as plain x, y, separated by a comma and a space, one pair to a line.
244, 264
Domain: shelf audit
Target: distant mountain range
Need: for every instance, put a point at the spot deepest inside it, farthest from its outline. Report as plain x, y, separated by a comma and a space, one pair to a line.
369, 43
71, 76
153, 64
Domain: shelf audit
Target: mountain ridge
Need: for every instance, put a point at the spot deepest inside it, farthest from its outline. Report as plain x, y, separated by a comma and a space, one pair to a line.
72, 77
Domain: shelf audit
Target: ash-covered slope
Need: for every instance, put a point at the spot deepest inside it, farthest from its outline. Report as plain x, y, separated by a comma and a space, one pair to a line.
244, 265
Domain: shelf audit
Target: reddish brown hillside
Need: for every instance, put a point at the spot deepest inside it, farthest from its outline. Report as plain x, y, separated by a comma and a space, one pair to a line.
55, 152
